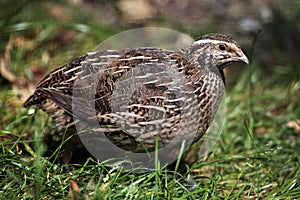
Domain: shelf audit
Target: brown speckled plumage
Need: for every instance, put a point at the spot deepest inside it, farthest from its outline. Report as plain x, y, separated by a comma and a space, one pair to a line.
200, 66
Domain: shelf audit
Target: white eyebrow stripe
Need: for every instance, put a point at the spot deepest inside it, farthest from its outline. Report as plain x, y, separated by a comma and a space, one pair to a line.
211, 41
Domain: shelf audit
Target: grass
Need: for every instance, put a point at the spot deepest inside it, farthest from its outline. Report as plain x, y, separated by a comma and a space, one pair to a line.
257, 156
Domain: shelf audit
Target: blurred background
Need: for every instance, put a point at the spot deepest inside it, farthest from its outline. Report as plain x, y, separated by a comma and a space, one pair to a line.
39, 35
258, 153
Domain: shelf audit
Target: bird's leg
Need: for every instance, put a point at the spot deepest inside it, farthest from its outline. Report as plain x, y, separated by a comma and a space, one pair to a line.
66, 155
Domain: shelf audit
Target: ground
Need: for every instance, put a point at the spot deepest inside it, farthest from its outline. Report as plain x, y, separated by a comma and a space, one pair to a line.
258, 153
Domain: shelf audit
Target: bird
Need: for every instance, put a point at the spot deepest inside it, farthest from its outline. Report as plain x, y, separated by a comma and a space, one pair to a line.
140, 94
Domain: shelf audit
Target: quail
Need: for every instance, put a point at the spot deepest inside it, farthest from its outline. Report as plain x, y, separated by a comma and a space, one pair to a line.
140, 94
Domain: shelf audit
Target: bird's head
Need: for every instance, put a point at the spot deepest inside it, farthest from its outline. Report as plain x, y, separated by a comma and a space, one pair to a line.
217, 49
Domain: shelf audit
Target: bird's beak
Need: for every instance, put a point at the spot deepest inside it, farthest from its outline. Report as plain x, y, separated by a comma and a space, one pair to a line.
242, 57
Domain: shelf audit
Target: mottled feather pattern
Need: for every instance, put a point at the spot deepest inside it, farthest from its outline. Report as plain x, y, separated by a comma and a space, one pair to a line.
148, 96
153, 91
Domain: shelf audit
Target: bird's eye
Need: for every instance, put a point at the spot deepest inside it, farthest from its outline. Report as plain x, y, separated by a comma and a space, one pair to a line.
222, 47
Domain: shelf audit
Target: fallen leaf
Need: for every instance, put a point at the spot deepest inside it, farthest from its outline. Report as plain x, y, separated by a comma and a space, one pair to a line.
74, 191
294, 124
136, 10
